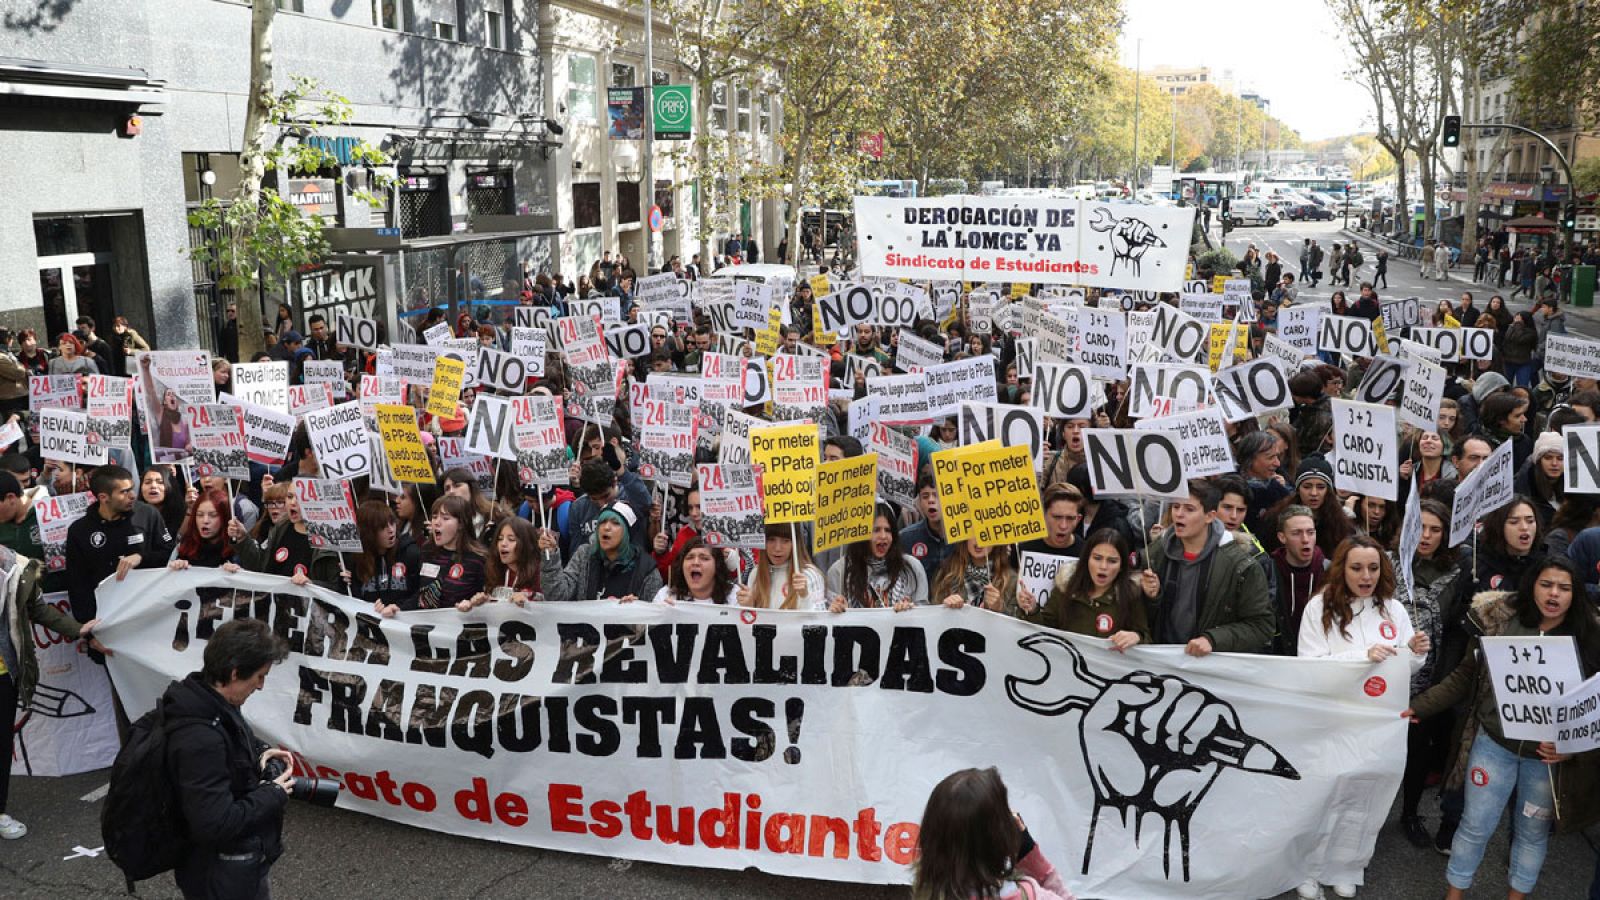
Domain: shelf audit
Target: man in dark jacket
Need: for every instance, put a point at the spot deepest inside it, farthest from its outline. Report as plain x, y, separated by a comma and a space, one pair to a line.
1204, 589
116, 535
600, 487
232, 813
1301, 569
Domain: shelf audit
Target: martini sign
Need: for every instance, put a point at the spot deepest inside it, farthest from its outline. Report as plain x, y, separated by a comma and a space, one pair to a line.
673, 111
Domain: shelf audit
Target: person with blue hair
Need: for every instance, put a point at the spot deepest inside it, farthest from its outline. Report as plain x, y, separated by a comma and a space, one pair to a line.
609, 566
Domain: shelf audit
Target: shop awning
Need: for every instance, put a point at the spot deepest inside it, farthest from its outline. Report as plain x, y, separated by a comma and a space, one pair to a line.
1531, 225
39, 80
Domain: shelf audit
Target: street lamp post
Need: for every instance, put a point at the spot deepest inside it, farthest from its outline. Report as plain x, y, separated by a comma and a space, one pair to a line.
1572, 186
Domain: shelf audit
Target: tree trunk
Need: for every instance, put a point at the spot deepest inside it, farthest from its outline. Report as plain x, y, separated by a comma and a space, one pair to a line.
253, 159
1402, 202
702, 159
797, 194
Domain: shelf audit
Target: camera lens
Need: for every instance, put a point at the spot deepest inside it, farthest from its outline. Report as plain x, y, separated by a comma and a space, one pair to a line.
316, 791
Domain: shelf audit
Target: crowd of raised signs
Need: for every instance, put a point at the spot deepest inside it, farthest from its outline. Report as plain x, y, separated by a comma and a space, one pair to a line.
1223, 469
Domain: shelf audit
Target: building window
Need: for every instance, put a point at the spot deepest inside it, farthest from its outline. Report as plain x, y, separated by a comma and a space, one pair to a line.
444, 31
719, 107
386, 14
586, 204
628, 202
744, 110
664, 197
766, 114
583, 96
622, 75
494, 26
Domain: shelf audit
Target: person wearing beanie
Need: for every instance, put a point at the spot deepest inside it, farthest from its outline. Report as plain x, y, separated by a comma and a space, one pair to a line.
1313, 489
1540, 479
609, 566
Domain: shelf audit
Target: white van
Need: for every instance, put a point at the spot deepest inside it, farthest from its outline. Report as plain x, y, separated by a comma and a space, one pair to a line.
1250, 212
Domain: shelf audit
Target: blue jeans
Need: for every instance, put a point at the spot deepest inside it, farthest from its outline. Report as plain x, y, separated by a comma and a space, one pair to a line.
1492, 773
1522, 373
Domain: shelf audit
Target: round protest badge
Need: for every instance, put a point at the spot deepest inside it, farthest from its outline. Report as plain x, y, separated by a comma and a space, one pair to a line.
1102, 623
1388, 631
1375, 686
1494, 581
456, 570
282, 555
747, 616
647, 470
398, 572
1480, 778
98, 539
919, 550
300, 569
318, 541
712, 539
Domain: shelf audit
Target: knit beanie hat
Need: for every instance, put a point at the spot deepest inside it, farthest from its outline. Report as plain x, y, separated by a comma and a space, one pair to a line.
1548, 442
1487, 383
1314, 467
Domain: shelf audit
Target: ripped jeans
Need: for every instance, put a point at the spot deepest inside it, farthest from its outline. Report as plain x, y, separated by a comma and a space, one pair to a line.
1492, 773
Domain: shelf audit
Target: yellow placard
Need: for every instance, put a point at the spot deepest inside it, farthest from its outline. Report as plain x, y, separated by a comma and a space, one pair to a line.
408, 459
847, 491
1188, 272
955, 508
1217, 281
821, 338
448, 374
1020, 288
819, 285
767, 338
1003, 493
788, 456
1219, 343
1381, 336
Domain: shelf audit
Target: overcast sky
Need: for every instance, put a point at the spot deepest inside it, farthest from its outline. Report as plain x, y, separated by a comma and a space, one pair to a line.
1287, 51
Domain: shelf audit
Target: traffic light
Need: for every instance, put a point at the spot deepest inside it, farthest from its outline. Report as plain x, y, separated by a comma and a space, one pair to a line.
1569, 217
1452, 131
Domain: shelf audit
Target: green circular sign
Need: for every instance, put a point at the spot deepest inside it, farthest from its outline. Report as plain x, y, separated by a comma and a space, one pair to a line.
673, 108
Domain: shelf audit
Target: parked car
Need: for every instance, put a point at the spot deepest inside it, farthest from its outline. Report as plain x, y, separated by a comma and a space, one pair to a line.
1310, 212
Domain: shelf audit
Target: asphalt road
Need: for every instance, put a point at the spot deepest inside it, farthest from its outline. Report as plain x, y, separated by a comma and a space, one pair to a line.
336, 854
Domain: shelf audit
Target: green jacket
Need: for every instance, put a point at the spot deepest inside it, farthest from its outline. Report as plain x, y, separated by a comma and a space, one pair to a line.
24, 607
1235, 611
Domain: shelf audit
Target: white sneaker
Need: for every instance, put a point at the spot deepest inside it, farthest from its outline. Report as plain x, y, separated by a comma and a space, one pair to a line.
1345, 890
1309, 890
11, 829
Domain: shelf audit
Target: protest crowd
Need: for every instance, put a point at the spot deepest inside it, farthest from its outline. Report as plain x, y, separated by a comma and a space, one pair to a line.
1349, 478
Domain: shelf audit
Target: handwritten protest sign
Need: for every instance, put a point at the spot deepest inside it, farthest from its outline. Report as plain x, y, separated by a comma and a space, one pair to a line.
402, 444
788, 457
1529, 675
846, 491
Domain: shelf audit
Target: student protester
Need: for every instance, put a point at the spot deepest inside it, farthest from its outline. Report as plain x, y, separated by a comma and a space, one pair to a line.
512, 574
116, 535
1097, 596
1425, 450
275, 506
1543, 605
388, 570
1313, 489
1104, 512
971, 844
462, 483
784, 577
1356, 616
22, 606
700, 575
1258, 455
1434, 568
925, 540
452, 564
1466, 454
410, 511
601, 489
1063, 510
287, 551
203, 540
1577, 513
1233, 511
158, 489
667, 550
608, 566
876, 572
1541, 479
981, 576
1502, 418
1301, 569
1376, 518
1205, 591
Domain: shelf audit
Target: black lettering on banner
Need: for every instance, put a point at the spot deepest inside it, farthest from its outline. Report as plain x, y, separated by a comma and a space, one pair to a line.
1251, 389
851, 305
1063, 392
1445, 340
1027, 357
895, 310
629, 343
1181, 335
1346, 334
1582, 473
757, 384
489, 426
1477, 343
1124, 462
1015, 426
501, 371
354, 332
1383, 378
721, 315
1150, 383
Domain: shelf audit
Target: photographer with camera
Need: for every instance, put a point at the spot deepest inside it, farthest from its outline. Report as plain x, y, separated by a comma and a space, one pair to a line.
971, 844
230, 788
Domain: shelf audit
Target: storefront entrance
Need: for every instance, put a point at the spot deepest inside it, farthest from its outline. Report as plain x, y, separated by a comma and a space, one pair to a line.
89, 266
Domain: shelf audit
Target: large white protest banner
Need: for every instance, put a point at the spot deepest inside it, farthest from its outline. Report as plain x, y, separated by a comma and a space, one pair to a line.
69, 726
1366, 455
1529, 675
1202, 441
523, 725
1034, 239
1565, 354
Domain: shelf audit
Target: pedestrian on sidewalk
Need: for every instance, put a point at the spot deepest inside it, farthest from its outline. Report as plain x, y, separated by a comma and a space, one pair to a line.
1480, 260
1380, 275
1425, 261
1305, 261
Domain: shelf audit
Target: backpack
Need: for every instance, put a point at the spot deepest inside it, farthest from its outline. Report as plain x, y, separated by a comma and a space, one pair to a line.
142, 825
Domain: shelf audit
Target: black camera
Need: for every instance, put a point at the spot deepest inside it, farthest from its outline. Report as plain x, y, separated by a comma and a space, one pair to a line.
318, 791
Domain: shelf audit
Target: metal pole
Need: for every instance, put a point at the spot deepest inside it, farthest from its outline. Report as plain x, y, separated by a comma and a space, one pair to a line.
1172, 152
1138, 46
647, 191
1572, 186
